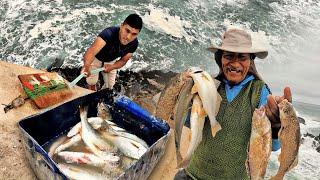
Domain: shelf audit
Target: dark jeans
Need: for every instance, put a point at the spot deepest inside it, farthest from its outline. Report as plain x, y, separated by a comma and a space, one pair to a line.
182, 175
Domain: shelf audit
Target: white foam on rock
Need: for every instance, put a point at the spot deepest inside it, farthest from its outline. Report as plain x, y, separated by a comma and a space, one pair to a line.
161, 21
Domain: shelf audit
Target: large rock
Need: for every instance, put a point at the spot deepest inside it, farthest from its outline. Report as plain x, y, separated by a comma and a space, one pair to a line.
140, 86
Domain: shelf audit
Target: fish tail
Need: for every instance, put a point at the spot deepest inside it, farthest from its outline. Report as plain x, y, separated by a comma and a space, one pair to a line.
194, 89
215, 129
183, 164
83, 111
278, 176
179, 157
294, 164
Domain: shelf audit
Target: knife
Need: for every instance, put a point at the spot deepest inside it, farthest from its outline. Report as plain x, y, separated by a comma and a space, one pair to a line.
76, 80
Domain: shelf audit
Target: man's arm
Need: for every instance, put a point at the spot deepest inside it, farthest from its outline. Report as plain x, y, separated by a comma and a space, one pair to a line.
90, 54
118, 64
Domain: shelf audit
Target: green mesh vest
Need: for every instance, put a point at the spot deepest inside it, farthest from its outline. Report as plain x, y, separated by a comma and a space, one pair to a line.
224, 156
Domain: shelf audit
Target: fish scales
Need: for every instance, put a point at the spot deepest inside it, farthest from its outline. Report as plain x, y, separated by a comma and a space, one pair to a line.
206, 88
260, 145
168, 98
96, 144
197, 120
180, 112
289, 136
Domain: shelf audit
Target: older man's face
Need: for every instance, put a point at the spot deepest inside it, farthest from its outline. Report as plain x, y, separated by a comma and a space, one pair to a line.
235, 66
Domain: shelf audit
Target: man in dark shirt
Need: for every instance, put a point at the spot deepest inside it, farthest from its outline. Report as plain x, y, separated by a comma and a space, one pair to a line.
112, 49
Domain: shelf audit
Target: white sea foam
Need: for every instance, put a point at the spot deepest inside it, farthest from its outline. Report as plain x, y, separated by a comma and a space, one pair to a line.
47, 28
161, 21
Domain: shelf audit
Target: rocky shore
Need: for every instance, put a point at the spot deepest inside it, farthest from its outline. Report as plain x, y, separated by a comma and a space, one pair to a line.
141, 86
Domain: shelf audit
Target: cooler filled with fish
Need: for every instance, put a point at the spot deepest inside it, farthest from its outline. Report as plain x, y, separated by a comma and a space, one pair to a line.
101, 135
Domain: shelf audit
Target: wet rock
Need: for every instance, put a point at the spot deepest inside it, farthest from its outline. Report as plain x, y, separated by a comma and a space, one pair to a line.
301, 120
309, 135
140, 86
316, 141
317, 138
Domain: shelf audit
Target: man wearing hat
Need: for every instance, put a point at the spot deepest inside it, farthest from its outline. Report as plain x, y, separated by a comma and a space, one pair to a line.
242, 90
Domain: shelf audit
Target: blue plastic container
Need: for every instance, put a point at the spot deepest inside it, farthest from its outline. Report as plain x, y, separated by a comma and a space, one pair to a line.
40, 129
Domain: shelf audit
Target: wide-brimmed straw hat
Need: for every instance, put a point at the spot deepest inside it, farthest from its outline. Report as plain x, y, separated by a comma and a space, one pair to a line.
239, 41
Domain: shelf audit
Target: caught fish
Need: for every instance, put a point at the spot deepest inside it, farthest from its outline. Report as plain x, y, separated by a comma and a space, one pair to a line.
111, 123
117, 128
74, 130
17, 102
129, 136
197, 120
94, 141
289, 136
180, 112
260, 145
114, 126
112, 161
56, 144
110, 140
98, 123
103, 111
74, 140
127, 146
79, 172
206, 88
168, 98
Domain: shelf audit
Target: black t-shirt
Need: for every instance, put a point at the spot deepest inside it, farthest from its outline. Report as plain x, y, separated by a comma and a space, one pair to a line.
113, 48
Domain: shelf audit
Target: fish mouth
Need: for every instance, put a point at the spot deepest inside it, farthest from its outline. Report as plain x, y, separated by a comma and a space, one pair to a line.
197, 72
194, 70
283, 104
260, 112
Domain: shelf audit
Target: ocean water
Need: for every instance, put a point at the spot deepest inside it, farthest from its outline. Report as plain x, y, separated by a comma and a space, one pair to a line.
175, 36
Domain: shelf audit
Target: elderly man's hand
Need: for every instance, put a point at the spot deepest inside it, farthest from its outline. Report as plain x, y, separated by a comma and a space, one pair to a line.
272, 109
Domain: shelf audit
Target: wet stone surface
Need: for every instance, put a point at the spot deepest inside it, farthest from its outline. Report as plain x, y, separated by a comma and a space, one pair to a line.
316, 140
140, 86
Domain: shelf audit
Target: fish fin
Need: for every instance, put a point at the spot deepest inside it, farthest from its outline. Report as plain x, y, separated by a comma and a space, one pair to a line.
76, 129
184, 163
277, 177
280, 131
279, 158
206, 76
179, 157
202, 113
215, 129
194, 89
216, 82
294, 164
247, 160
218, 102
